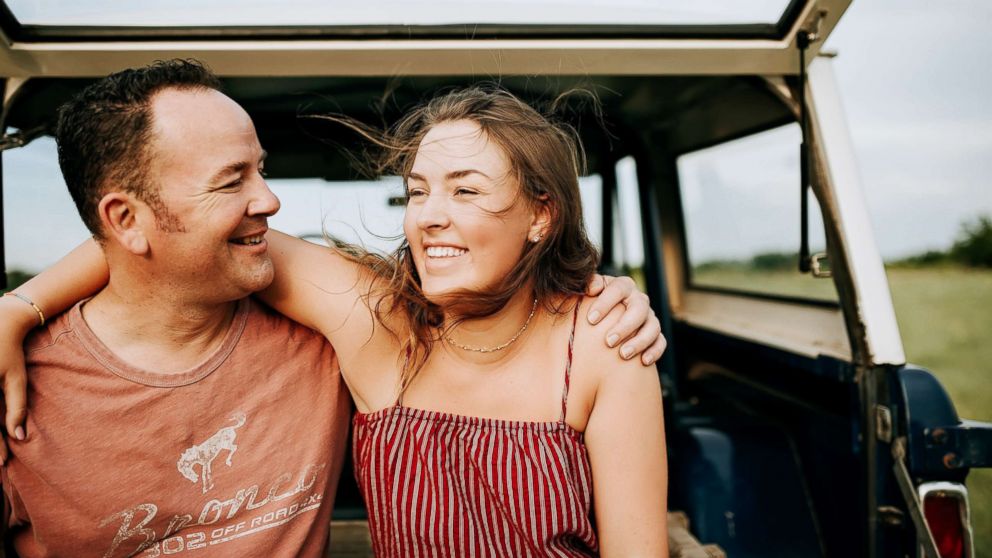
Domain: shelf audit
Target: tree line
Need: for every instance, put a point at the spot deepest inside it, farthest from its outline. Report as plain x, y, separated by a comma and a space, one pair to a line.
972, 247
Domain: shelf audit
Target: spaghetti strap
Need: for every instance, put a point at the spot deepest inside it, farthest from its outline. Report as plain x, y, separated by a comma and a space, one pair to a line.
406, 361
568, 364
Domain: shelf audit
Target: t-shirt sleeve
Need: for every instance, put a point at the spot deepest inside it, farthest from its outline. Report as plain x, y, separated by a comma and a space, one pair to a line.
13, 507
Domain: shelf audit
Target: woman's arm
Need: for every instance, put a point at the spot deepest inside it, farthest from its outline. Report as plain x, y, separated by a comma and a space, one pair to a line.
78, 275
319, 288
625, 437
322, 289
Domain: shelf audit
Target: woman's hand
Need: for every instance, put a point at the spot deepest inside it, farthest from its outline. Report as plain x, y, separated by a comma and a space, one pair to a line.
638, 329
17, 318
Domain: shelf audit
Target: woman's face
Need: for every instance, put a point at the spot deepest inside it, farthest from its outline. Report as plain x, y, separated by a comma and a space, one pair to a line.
464, 222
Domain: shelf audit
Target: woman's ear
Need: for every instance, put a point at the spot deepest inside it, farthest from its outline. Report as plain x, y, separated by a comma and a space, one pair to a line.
541, 222
119, 215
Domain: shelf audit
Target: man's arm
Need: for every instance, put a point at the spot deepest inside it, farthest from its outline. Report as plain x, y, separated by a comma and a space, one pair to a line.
638, 328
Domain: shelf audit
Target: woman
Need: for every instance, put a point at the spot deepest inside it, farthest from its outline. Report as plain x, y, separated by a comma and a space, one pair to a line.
506, 420
506, 425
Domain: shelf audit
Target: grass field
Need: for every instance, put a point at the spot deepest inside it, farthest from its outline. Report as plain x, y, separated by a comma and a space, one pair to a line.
945, 317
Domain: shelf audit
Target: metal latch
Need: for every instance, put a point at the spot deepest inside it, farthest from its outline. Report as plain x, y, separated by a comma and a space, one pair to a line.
816, 265
966, 445
883, 423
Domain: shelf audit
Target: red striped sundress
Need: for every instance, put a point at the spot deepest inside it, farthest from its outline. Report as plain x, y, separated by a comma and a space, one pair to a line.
439, 484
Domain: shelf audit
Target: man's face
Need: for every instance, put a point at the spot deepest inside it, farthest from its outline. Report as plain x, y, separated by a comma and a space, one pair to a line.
206, 161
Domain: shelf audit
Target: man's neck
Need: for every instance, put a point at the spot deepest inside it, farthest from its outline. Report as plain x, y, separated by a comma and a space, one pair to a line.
156, 331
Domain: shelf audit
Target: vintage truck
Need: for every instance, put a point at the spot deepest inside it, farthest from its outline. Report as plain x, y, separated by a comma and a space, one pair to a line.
795, 425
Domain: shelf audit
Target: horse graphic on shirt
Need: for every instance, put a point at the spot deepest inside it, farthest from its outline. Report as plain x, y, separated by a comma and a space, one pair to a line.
204, 454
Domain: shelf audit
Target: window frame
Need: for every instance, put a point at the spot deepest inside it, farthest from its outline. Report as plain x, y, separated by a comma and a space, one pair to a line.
683, 232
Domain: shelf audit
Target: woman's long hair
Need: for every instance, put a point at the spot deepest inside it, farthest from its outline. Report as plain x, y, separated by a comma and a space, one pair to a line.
545, 161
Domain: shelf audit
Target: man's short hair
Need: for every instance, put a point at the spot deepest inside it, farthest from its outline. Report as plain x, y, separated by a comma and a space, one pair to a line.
104, 134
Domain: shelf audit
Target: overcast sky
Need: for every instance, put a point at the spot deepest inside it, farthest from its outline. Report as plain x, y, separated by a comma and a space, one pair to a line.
914, 77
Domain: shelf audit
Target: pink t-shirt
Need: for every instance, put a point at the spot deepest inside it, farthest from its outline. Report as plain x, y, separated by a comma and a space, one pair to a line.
239, 456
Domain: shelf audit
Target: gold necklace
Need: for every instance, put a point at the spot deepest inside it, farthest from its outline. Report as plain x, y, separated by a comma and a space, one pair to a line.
520, 332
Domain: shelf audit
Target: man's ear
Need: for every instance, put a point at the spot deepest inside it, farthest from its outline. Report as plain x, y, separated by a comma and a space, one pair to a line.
541, 222
122, 220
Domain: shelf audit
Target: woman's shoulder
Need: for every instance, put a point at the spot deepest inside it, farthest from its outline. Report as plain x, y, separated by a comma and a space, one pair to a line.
597, 366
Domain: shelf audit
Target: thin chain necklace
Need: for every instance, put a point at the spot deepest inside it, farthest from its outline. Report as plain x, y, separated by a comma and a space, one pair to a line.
520, 332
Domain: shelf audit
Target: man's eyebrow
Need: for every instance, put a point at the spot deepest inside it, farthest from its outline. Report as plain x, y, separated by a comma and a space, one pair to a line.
236, 168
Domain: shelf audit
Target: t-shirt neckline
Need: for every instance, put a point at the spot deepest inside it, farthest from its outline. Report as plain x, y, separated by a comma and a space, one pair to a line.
118, 367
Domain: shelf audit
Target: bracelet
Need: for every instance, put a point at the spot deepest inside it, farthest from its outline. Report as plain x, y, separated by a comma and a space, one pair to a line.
41, 315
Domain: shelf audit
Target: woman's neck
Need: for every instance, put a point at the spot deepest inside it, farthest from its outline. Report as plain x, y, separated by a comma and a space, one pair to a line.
492, 338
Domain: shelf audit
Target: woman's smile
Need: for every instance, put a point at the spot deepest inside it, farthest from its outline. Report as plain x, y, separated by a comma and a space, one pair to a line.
440, 260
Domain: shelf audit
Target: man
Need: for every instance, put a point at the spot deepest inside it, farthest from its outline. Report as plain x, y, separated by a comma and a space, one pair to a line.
171, 412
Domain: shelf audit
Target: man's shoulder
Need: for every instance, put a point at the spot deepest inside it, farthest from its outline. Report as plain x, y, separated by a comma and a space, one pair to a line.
277, 328
56, 329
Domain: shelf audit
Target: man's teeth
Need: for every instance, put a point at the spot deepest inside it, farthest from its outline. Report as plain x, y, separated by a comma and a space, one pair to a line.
251, 240
444, 252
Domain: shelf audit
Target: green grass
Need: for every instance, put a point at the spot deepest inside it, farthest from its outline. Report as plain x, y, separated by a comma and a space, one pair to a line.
784, 282
946, 324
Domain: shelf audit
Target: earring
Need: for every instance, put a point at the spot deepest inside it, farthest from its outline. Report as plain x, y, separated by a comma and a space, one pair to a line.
537, 238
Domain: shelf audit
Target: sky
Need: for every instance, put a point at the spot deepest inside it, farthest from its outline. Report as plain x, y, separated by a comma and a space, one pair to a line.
914, 78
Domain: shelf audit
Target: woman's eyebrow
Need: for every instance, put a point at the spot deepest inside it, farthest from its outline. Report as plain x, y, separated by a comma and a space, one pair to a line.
463, 173
453, 175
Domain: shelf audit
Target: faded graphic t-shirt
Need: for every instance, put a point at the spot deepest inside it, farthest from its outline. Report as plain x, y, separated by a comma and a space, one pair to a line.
239, 456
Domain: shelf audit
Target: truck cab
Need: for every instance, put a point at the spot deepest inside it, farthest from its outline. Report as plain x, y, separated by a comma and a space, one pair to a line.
720, 175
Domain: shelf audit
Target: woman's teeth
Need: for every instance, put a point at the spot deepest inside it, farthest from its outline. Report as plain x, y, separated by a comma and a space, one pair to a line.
251, 240
444, 252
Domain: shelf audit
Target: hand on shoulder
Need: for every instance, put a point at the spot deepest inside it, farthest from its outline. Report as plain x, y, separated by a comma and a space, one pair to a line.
592, 350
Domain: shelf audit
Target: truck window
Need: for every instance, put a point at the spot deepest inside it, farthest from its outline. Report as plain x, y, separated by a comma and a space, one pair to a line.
40, 220
740, 201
